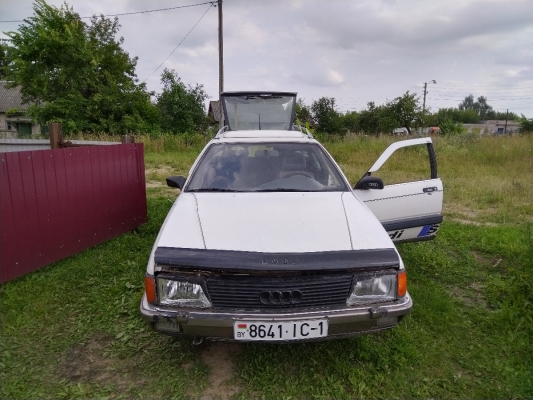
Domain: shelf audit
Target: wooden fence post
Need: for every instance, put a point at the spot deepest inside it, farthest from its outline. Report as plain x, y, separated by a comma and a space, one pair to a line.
128, 139
56, 135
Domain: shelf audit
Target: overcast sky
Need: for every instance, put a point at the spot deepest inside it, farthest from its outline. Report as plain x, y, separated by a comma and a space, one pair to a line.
353, 50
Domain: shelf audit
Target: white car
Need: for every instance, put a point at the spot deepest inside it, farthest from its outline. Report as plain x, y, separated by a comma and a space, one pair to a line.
268, 242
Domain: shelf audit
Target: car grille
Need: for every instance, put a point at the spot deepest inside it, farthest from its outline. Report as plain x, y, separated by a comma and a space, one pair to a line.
275, 293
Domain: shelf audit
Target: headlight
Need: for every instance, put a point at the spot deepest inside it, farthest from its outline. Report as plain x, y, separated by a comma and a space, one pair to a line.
183, 294
373, 289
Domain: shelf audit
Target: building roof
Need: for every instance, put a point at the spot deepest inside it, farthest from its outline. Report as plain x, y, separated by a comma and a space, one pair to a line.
214, 110
11, 98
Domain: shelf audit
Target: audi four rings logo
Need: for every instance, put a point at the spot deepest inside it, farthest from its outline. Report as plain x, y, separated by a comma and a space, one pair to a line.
280, 297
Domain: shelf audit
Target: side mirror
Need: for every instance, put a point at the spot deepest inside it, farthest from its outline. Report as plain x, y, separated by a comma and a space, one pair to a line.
176, 181
369, 182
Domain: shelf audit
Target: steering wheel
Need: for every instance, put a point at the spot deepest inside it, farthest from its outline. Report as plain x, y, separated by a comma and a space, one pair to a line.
301, 173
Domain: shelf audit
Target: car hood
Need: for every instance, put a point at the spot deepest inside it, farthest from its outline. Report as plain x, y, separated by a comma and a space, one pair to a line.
293, 222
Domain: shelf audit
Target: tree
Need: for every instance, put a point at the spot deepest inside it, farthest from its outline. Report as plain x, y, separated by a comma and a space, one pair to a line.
431, 119
4, 61
465, 116
326, 118
371, 120
77, 73
405, 111
181, 107
350, 121
526, 125
467, 103
481, 107
468, 116
503, 115
303, 113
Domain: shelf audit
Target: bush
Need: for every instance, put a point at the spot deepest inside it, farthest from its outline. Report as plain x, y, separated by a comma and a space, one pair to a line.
448, 127
526, 125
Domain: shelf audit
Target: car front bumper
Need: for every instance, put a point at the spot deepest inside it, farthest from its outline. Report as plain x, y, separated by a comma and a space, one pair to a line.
218, 325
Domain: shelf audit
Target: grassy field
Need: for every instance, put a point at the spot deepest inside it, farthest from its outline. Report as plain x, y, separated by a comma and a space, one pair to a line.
73, 330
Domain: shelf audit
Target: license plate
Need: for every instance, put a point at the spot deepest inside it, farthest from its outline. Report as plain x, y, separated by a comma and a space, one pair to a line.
285, 330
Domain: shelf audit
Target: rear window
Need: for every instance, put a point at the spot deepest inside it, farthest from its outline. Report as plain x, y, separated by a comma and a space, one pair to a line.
259, 111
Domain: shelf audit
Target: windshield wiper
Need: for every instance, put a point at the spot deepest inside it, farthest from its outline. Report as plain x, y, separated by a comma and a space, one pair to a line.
213, 189
285, 190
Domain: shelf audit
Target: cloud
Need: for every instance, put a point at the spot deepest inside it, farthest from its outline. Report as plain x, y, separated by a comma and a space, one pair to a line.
355, 51
416, 29
318, 76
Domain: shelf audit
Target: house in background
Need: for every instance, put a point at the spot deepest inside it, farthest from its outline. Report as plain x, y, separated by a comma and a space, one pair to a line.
14, 122
493, 127
214, 111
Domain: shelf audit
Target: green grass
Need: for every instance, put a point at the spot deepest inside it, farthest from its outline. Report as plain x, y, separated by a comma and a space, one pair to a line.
73, 330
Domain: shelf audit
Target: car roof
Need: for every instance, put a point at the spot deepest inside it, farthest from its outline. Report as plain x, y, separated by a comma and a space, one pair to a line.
264, 136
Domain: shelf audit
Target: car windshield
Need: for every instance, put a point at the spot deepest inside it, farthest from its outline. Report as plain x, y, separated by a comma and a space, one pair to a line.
254, 111
272, 167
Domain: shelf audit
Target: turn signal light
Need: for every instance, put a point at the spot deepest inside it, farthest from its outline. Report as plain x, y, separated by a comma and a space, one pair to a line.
149, 286
402, 283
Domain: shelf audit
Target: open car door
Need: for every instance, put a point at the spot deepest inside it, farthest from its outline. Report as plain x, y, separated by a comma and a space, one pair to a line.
409, 211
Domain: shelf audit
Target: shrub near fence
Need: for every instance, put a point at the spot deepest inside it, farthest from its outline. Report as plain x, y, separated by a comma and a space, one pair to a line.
55, 203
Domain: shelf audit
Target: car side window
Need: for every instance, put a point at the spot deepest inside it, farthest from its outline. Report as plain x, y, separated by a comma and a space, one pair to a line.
407, 164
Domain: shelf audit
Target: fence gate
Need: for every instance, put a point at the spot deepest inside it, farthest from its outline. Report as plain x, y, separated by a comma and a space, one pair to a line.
56, 203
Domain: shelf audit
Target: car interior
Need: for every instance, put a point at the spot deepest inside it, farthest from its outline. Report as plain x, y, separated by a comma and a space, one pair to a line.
259, 167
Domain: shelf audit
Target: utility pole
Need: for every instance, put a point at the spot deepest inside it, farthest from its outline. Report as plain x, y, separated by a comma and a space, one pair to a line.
425, 93
424, 103
506, 117
220, 63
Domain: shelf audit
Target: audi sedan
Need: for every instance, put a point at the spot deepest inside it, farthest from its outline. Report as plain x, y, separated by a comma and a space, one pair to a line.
268, 242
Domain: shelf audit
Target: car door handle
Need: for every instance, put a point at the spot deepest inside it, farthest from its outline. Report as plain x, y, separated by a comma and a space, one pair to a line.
430, 189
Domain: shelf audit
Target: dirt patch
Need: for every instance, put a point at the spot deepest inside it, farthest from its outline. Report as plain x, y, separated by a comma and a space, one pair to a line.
468, 222
155, 177
453, 208
471, 295
218, 357
485, 260
153, 184
85, 363
166, 170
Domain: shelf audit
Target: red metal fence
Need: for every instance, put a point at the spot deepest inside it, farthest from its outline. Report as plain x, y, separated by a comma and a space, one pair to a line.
56, 203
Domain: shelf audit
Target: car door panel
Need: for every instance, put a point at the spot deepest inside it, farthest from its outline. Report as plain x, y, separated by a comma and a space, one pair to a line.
410, 211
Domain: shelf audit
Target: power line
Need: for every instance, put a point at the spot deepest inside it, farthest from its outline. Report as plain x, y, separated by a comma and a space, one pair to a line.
182, 40
509, 96
492, 97
488, 99
472, 83
485, 94
345, 102
505, 96
495, 91
480, 86
138, 12
161, 9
